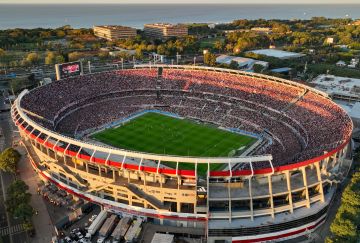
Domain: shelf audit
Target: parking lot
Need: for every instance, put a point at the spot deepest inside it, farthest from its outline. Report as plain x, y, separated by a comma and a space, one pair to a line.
55, 196
102, 227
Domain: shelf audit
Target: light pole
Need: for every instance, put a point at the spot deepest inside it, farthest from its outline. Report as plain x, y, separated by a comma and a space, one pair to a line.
205, 51
89, 65
177, 58
122, 63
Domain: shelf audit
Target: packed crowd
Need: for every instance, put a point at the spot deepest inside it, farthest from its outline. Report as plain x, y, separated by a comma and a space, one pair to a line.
302, 124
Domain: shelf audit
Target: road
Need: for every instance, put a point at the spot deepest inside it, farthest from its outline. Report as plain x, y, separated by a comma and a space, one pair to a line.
10, 229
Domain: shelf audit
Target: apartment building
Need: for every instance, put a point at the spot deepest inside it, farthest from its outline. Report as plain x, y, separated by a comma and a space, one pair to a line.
114, 32
165, 30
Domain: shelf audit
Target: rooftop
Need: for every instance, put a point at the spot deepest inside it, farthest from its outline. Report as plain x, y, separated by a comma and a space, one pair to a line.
335, 85
353, 109
162, 238
164, 24
281, 70
113, 27
243, 62
277, 53
225, 59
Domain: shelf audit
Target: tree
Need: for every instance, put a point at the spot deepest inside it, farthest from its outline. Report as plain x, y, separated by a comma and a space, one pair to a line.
32, 58
23, 211
28, 226
210, 59
59, 59
103, 54
9, 159
74, 56
280, 28
219, 45
18, 189
347, 219
229, 47
241, 23
258, 68
18, 203
60, 33
2, 52
161, 49
50, 58
343, 228
17, 196
233, 65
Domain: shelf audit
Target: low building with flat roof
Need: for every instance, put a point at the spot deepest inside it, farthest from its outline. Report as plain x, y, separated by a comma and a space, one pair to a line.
277, 53
162, 238
114, 32
344, 91
339, 88
243, 62
165, 30
281, 70
262, 30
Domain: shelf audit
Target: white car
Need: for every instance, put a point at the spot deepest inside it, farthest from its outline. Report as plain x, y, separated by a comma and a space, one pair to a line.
93, 217
79, 235
101, 240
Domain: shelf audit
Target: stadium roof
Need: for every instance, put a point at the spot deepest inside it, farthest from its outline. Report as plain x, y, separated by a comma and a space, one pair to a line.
277, 53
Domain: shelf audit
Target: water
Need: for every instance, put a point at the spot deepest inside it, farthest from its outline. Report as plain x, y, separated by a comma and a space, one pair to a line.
52, 16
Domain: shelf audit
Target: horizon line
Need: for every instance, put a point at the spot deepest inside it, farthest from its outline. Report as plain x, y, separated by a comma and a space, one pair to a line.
180, 3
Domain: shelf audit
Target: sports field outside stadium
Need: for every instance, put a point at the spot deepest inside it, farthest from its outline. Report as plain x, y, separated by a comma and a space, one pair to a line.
161, 134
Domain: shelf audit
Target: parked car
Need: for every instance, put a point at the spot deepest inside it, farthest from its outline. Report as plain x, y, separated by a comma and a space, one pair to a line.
79, 235
93, 217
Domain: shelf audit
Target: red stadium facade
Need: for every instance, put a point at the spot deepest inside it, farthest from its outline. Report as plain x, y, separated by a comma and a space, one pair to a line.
281, 188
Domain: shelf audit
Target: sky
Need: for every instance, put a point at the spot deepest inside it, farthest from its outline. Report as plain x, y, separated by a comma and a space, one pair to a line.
180, 1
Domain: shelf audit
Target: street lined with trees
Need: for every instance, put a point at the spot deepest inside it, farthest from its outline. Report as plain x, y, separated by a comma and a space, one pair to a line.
346, 225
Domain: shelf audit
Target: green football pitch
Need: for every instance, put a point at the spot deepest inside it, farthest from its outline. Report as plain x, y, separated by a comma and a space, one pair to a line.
161, 134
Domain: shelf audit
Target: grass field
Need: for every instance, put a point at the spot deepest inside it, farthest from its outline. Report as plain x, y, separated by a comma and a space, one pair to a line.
209, 43
160, 134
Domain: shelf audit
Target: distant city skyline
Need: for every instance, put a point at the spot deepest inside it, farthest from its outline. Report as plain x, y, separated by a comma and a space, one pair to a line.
180, 2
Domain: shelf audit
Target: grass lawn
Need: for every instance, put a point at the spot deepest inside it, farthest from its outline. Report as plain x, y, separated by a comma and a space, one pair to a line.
209, 43
160, 134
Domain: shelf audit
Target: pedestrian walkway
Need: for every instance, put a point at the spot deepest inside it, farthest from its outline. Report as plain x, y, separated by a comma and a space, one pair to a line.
12, 230
42, 222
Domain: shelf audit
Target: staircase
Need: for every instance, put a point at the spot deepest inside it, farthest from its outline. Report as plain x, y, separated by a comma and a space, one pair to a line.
150, 199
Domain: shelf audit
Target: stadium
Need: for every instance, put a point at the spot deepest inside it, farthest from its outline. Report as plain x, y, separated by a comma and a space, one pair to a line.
244, 157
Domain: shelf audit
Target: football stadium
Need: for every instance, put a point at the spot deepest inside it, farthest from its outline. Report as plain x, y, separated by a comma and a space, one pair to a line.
244, 157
